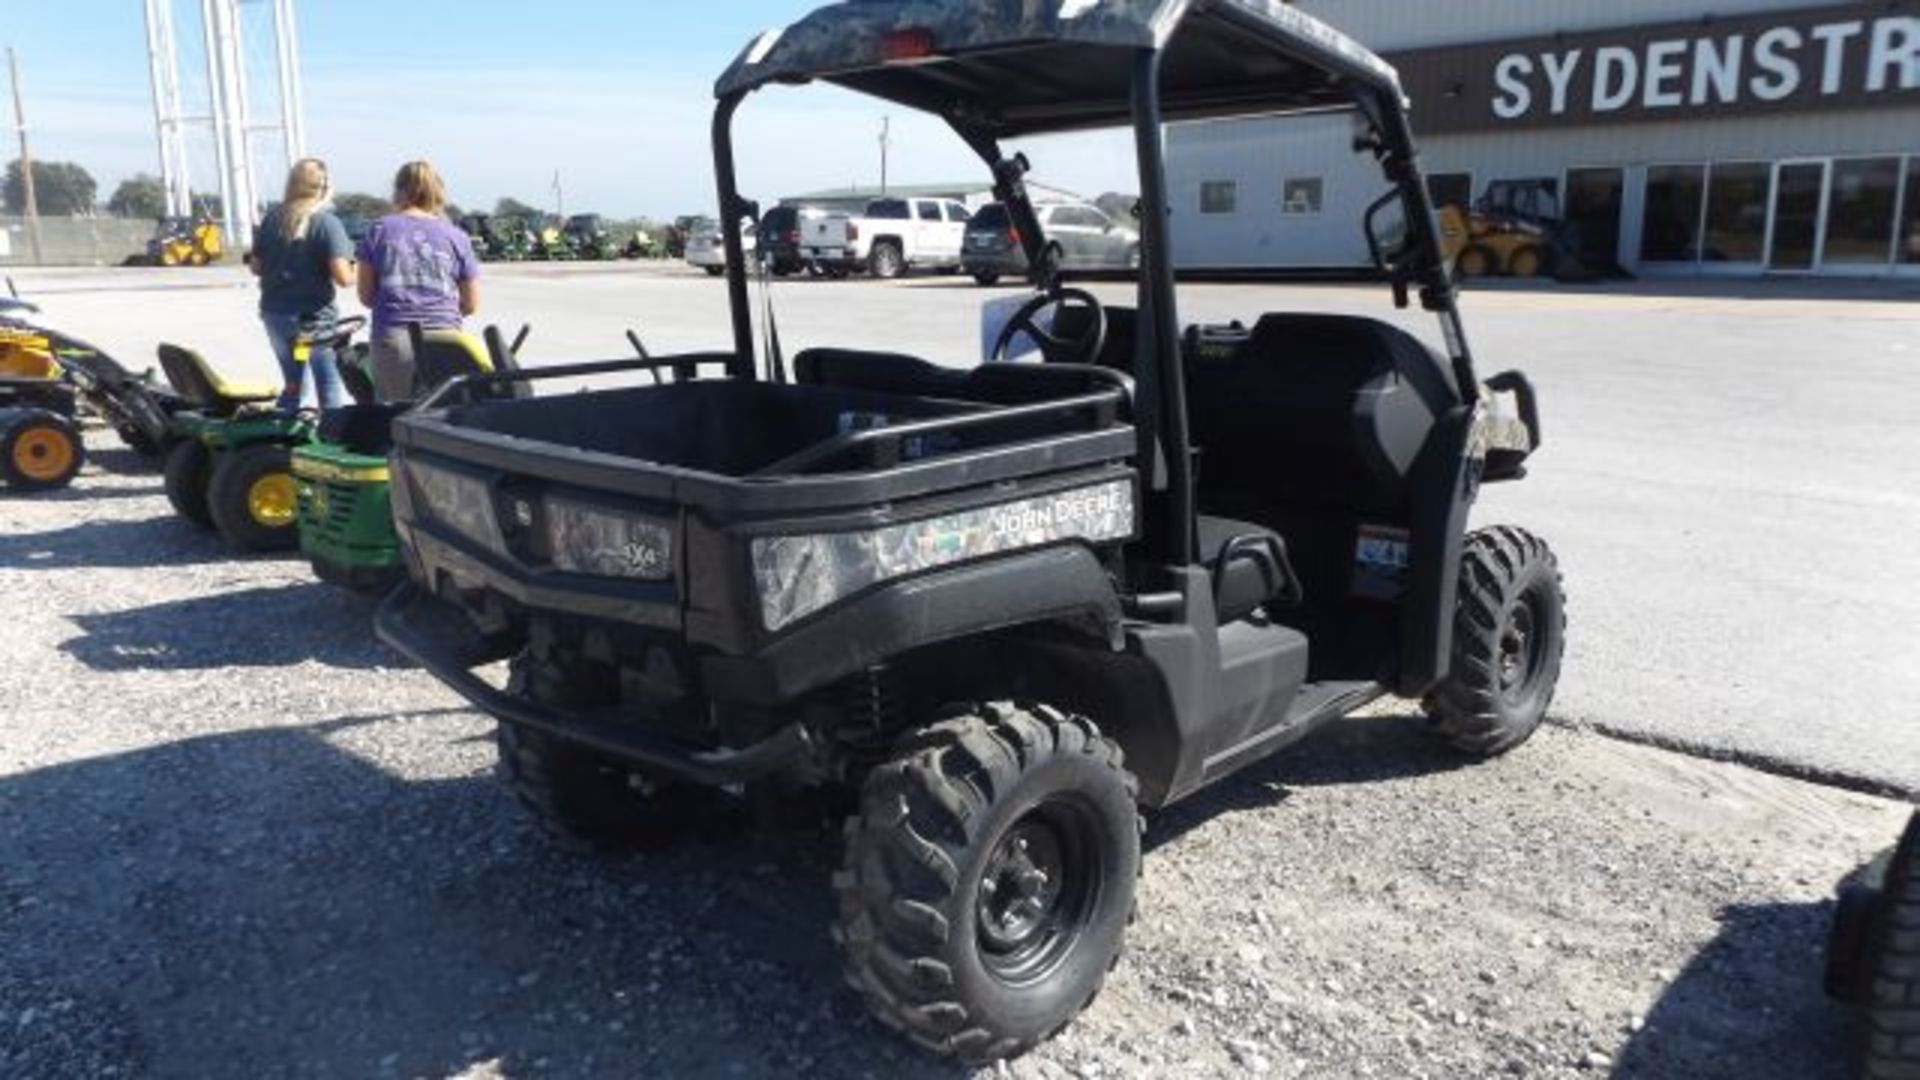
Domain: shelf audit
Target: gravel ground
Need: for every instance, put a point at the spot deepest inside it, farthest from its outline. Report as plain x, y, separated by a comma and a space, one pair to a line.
1721, 480
237, 840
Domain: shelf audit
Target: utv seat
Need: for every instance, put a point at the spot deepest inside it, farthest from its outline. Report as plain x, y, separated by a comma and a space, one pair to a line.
1318, 410
994, 384
202, 385
1249, 567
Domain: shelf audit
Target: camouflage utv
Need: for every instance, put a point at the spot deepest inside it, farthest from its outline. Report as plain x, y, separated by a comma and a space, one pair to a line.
999, 611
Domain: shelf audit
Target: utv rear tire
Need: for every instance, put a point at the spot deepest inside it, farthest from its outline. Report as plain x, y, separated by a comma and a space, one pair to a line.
189, 467
251, 498
885, 261
1889, 1040
585, 802
989, 879
1509, 634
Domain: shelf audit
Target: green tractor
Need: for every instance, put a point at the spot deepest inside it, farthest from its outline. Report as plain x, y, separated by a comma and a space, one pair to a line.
591, 241
340, 478
231, 465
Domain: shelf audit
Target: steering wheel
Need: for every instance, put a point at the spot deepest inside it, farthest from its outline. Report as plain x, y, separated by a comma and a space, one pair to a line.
1081, 348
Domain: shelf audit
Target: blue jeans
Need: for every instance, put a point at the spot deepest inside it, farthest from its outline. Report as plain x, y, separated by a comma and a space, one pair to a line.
321, 365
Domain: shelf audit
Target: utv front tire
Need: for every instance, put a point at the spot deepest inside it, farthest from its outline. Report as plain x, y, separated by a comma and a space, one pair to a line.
989, 879
1509, 634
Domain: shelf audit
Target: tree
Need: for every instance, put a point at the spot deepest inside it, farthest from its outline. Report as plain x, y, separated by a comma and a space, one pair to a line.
60, 187
139, 196
357, 204
514, 208
1117, 206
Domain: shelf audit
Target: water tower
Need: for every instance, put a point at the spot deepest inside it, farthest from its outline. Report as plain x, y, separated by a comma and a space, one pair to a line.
240, 40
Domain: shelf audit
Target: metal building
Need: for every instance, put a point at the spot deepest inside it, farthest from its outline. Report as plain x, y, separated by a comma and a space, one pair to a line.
1735, 137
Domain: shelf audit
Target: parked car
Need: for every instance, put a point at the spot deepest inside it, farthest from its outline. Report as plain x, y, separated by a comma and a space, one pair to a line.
1086, 237
781, 231
708, 251
893, 237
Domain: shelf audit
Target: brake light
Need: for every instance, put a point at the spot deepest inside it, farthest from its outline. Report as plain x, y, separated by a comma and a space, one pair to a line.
1013, 235
853, 231
793, 237
905, 46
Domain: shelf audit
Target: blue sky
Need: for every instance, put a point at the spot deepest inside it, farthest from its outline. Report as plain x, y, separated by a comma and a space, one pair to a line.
614, 94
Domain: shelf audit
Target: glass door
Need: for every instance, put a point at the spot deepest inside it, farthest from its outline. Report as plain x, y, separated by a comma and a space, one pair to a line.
1593, 214
1799, 199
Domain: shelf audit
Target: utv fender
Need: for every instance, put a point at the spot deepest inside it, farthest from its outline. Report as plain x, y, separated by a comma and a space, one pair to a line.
1443, 484
1049, 585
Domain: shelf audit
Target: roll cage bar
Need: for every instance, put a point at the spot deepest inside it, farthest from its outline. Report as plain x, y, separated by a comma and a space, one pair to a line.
1416, 264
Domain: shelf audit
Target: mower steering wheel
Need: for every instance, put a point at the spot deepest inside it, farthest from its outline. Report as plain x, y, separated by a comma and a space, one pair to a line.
1082, 348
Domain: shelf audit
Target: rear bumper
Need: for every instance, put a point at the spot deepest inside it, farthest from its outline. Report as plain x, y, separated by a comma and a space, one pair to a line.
1004, 263
440, 638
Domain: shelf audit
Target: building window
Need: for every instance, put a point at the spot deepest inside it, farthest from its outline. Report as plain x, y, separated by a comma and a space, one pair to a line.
1218, 196
1671, 229
1738, 194
1860, 210
1450, 189
1302, 196
1910, 235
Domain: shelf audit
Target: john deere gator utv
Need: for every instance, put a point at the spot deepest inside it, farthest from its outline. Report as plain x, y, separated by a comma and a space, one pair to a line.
231, 466
341, 478
1000, 610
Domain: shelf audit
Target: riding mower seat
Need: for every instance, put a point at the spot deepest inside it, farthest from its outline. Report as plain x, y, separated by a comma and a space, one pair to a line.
206, 389
341, 479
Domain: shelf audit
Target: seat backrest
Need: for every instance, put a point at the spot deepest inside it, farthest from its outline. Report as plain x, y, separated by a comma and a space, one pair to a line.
1328, 409
882, 372
447, 354
191, 376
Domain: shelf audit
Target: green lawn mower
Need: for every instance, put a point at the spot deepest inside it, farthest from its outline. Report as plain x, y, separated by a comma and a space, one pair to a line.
231, 467
345, 512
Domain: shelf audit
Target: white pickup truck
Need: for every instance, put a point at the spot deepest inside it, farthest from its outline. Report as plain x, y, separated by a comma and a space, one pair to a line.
891, 238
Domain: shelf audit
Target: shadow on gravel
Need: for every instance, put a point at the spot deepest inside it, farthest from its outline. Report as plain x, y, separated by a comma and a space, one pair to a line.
1358, 750
81, 492
124, 461
268, 904
265, 627
1750, 1003
153, 542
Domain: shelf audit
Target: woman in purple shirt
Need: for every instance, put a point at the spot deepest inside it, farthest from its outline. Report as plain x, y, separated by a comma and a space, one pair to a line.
415, 267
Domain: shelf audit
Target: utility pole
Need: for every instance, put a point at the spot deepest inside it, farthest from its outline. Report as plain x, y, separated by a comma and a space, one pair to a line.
559, 197
26, 157
886, 140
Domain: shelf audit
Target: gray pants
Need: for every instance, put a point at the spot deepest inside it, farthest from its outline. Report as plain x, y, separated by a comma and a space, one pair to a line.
393, 367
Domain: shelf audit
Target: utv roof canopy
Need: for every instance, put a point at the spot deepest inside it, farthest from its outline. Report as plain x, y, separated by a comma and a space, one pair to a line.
1006, 68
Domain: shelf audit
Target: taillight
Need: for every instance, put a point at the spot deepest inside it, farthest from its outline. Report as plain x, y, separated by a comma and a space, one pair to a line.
793, 237
906, 46
1013, 235
853, 231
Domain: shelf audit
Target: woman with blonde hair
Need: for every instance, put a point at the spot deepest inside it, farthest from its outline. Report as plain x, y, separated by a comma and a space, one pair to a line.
301, 254
415, 267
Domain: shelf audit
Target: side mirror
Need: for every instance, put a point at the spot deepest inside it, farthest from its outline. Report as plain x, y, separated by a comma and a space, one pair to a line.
1387, 231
